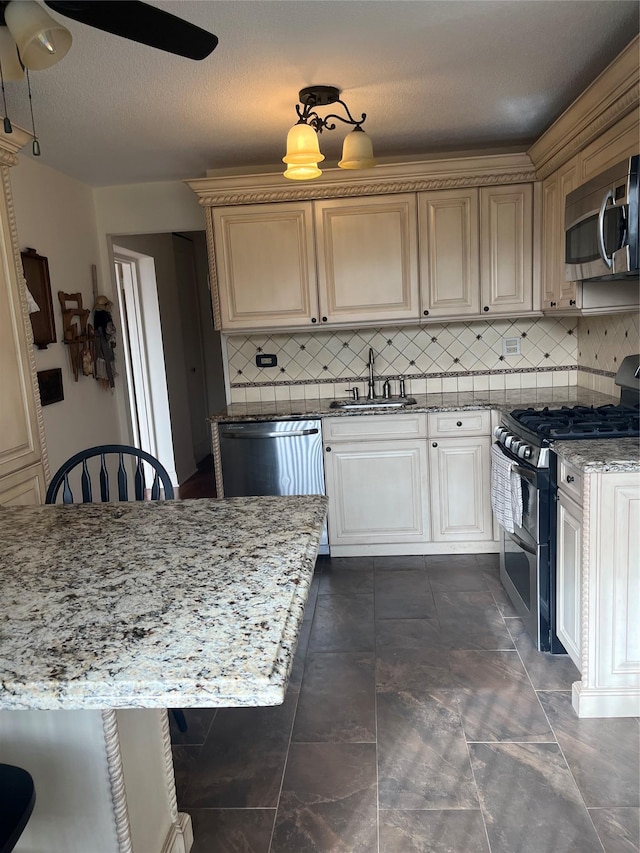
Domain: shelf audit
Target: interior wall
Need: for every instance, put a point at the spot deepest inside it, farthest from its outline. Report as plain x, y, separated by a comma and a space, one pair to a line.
160, 248
603, 341
56, 216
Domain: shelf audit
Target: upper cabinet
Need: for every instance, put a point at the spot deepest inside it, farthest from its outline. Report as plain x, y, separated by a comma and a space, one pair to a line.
476, 251
367, 259
266, 265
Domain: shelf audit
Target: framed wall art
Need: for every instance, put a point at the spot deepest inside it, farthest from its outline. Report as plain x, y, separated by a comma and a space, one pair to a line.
50, 385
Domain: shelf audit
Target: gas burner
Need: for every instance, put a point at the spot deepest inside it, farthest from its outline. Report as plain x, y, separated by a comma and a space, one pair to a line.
580, 421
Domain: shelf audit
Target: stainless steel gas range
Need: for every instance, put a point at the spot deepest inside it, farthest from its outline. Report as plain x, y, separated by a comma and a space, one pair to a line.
525, 439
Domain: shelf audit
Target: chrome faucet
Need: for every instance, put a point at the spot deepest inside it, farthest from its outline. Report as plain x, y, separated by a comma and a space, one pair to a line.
371, 393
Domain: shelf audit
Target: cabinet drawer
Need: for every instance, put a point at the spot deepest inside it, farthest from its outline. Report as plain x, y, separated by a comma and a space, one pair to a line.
452, 424
406, 425
570, 480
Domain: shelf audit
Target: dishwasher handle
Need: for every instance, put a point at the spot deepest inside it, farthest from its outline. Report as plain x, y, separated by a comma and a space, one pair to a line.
254, 435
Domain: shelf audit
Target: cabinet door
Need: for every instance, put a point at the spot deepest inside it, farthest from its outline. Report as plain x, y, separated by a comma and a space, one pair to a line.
377, 492
448, 227
568, 575
20, 442
265, 262
459, 471
506, 248
557, 292
367, 259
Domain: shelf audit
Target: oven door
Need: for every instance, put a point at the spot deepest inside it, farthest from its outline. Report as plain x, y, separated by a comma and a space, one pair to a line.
525, 555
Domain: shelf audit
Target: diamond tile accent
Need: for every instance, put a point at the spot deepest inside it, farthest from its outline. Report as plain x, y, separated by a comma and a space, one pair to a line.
605, 341
420, 351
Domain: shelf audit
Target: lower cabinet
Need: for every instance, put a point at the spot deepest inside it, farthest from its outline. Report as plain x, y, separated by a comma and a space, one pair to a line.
460, 477
394, 490
568, 574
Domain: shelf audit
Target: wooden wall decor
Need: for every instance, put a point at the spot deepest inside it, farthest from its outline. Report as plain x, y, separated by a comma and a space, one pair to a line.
78, 333
36, 273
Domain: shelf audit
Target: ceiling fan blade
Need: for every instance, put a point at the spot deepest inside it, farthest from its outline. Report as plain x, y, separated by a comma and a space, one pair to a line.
142, 23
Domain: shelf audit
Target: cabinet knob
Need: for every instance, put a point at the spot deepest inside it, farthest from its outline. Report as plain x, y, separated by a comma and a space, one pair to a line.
426, 313
458, 423
328, 449
435, 444
552, 304
313, 320
486, 308
572, 302
570, 478
324, 319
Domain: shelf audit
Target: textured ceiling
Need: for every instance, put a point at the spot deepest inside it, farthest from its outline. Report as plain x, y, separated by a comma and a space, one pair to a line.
431, 75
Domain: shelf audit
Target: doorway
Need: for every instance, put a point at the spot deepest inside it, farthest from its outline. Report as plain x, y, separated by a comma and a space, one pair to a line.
173, 354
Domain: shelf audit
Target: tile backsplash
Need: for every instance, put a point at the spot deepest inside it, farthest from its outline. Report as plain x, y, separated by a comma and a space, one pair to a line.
461, 356
602, 344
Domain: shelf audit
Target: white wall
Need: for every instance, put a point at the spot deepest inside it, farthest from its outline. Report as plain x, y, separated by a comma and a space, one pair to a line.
56, 216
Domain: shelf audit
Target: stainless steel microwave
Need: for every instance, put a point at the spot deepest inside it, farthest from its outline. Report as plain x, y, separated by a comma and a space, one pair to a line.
601, 225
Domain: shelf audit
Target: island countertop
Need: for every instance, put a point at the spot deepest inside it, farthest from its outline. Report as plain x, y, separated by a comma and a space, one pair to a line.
192, 603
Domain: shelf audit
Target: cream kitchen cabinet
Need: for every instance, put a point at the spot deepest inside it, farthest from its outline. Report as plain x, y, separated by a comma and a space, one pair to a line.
569, 561
506, 249
598, 586
367, 259
460, 476
449, 232
376, 479
266, 266
300, 264
23, 461
476, 251
557, 294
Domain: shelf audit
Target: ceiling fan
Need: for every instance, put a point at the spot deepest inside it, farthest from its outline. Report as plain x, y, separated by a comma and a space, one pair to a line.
41, 41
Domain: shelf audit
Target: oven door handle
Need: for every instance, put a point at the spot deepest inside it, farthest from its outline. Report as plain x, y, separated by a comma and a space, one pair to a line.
525, 547
524, 472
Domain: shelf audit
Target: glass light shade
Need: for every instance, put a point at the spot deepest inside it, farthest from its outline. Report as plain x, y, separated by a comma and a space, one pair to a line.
11, 67
302, 146
41, 41
357, 151
302, 172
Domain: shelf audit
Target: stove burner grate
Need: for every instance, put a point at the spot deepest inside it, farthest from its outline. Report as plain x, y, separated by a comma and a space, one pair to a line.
580, 421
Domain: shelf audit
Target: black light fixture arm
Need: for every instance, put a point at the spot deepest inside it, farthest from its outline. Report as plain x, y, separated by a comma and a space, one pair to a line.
322, 96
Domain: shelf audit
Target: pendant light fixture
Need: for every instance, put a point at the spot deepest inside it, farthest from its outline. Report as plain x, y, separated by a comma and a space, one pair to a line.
41, 41
303, 151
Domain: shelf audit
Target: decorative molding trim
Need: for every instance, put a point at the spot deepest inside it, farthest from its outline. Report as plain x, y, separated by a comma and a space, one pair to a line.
461, 374
28, 330
436, 174
604, 121
597, 372
11, 144
214, 289
310, 193
116, 781
609, 98
217, 459
167, 755
180, 837
585, 575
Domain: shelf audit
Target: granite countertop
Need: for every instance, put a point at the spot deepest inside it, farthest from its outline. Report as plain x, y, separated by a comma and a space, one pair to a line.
600, 455
192, 603
503, 401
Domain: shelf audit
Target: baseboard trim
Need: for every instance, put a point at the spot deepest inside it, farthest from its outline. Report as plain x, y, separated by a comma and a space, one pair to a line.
180, 837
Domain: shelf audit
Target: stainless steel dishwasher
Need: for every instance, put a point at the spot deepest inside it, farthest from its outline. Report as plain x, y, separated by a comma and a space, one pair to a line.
273, 458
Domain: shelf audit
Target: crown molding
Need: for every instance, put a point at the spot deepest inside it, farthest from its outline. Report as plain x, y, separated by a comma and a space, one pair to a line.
12, 143
436, 174
613, 94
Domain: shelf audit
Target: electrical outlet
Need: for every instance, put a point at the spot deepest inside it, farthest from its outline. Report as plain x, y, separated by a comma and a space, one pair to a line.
511, 346
264, 359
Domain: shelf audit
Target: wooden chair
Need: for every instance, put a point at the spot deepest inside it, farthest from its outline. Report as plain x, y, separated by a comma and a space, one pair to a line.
124, 453
17, 798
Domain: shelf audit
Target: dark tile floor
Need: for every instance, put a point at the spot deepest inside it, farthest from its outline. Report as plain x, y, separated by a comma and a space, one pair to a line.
419, 717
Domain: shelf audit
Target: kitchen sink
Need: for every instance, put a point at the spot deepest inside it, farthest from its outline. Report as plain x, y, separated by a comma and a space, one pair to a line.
378, 403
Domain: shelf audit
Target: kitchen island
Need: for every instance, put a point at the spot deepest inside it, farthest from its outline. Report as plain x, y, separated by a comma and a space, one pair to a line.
113, 607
